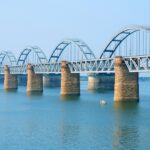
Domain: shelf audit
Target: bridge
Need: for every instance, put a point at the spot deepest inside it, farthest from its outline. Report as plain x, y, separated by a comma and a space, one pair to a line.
126, 55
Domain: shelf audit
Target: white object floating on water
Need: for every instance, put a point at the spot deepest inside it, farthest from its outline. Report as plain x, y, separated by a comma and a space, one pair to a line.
103, 102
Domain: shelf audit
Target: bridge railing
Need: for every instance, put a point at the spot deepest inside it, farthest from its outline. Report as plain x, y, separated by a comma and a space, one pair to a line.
21, 69
47, 68
92, 66
106, 65
138, 63
85, 66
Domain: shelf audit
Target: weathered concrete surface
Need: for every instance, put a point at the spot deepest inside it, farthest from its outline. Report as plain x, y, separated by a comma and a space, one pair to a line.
70, 82
126, 83
52, 80
102, 81
34, 81
10, 81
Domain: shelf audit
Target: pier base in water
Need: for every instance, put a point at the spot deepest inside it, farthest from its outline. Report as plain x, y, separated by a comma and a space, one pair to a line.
70, 82
126, 83
10, 80
34, 81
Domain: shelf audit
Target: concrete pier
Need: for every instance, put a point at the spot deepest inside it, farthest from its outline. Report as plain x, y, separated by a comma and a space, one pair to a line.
70, 82
52, 80
34, 81
102, 81
10, 81
126, 83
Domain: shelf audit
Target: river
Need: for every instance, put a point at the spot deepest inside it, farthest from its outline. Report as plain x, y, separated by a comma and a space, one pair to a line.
48, 121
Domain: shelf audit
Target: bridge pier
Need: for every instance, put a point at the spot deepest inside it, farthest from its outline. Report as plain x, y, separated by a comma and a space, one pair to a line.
34, 81
70, 82
126, 83
102, 81
10, 80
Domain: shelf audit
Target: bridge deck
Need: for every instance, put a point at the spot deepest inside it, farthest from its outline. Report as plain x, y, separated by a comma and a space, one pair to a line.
105, 65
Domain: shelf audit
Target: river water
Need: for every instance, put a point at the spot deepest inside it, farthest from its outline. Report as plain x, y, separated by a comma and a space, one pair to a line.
48, 122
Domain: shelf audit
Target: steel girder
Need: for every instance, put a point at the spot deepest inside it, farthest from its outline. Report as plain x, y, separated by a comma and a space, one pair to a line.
18, 69
47, 68
92, 66
138, 63
134, 64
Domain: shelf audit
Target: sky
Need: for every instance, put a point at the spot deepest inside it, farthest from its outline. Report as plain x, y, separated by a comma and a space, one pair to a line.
47, 22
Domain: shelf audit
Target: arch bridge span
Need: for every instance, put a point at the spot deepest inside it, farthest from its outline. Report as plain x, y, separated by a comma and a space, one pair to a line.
7, 57
130, 41
38, 56
76, 50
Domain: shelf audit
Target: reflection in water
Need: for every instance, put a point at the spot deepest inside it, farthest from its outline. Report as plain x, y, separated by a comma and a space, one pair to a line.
126, 106
10, 91
99, 91
69, 135
125, 132
68, 131
69, 97
125, 138
34, 95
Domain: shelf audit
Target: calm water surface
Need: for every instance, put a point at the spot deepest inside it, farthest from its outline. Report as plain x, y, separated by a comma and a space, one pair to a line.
48, 122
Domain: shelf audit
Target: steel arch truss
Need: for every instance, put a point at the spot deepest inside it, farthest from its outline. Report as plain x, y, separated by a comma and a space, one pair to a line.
134, 64
138, 63
10, 55
84, 48
119, 38
92, 66
48, 68
18, 69
24, 54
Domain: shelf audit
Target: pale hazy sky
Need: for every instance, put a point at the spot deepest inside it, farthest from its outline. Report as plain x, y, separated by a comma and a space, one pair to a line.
46, 22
